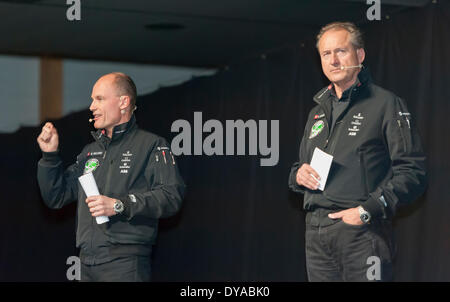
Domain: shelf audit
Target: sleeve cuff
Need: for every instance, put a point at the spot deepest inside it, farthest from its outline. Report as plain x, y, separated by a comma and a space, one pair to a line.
126, 206
293, 185
51, 157
374, 207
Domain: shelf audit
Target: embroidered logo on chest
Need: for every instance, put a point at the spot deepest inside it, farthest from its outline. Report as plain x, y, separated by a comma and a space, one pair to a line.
355, 124
91, 165
316, 128
125, 162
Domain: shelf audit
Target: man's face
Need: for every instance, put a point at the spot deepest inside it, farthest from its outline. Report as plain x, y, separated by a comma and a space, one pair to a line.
105, 104
336, 50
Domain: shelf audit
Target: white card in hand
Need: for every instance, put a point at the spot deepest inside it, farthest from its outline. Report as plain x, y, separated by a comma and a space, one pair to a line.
321, 162
89, 185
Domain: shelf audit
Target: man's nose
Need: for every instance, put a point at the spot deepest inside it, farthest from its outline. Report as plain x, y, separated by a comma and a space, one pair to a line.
334, 60
92, 107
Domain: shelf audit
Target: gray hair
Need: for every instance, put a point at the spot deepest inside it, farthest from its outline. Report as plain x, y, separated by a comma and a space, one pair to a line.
355, 34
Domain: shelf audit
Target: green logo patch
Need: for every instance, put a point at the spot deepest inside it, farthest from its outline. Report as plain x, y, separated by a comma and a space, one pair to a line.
91, 165
316, 128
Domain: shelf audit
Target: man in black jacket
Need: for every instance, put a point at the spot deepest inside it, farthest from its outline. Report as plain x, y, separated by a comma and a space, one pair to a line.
378, 164
137, 178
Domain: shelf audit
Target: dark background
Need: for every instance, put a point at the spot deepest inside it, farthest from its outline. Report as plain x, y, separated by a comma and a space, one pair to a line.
239, 222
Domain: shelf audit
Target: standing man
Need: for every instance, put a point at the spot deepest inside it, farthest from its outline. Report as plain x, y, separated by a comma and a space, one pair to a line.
137, 178
378, 164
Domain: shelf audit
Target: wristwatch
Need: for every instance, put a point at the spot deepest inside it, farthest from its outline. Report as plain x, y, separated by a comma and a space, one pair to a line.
364, 215
118, 207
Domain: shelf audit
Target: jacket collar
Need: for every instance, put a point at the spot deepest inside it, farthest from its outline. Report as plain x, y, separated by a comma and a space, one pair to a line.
363, 79
118, 131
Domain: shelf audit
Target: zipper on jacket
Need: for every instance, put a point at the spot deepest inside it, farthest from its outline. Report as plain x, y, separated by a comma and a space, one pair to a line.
92, 232
108, 176
331, 134
118, 147
93, 227
328, 139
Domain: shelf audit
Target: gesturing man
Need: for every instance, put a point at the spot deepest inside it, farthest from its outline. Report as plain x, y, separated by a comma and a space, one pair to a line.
137, 178
378, 163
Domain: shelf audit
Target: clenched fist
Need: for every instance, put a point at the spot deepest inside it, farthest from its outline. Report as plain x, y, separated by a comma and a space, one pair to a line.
48, 139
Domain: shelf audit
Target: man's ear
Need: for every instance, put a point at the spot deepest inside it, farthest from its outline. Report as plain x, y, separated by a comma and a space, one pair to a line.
361, 55
124, 101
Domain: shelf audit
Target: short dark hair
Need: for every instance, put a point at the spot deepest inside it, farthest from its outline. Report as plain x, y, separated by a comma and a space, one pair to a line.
125, 86
355, 33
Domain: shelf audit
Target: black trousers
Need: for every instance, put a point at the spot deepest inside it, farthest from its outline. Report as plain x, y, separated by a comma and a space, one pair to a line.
343, 252
124, 269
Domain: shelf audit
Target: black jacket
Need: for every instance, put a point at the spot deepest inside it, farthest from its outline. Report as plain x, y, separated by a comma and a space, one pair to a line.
134, 166
376, 148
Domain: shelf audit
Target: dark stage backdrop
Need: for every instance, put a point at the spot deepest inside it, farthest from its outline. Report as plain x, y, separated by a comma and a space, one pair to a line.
239, 222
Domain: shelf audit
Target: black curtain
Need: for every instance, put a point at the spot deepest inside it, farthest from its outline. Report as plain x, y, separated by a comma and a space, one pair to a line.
409, 55
239, 222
